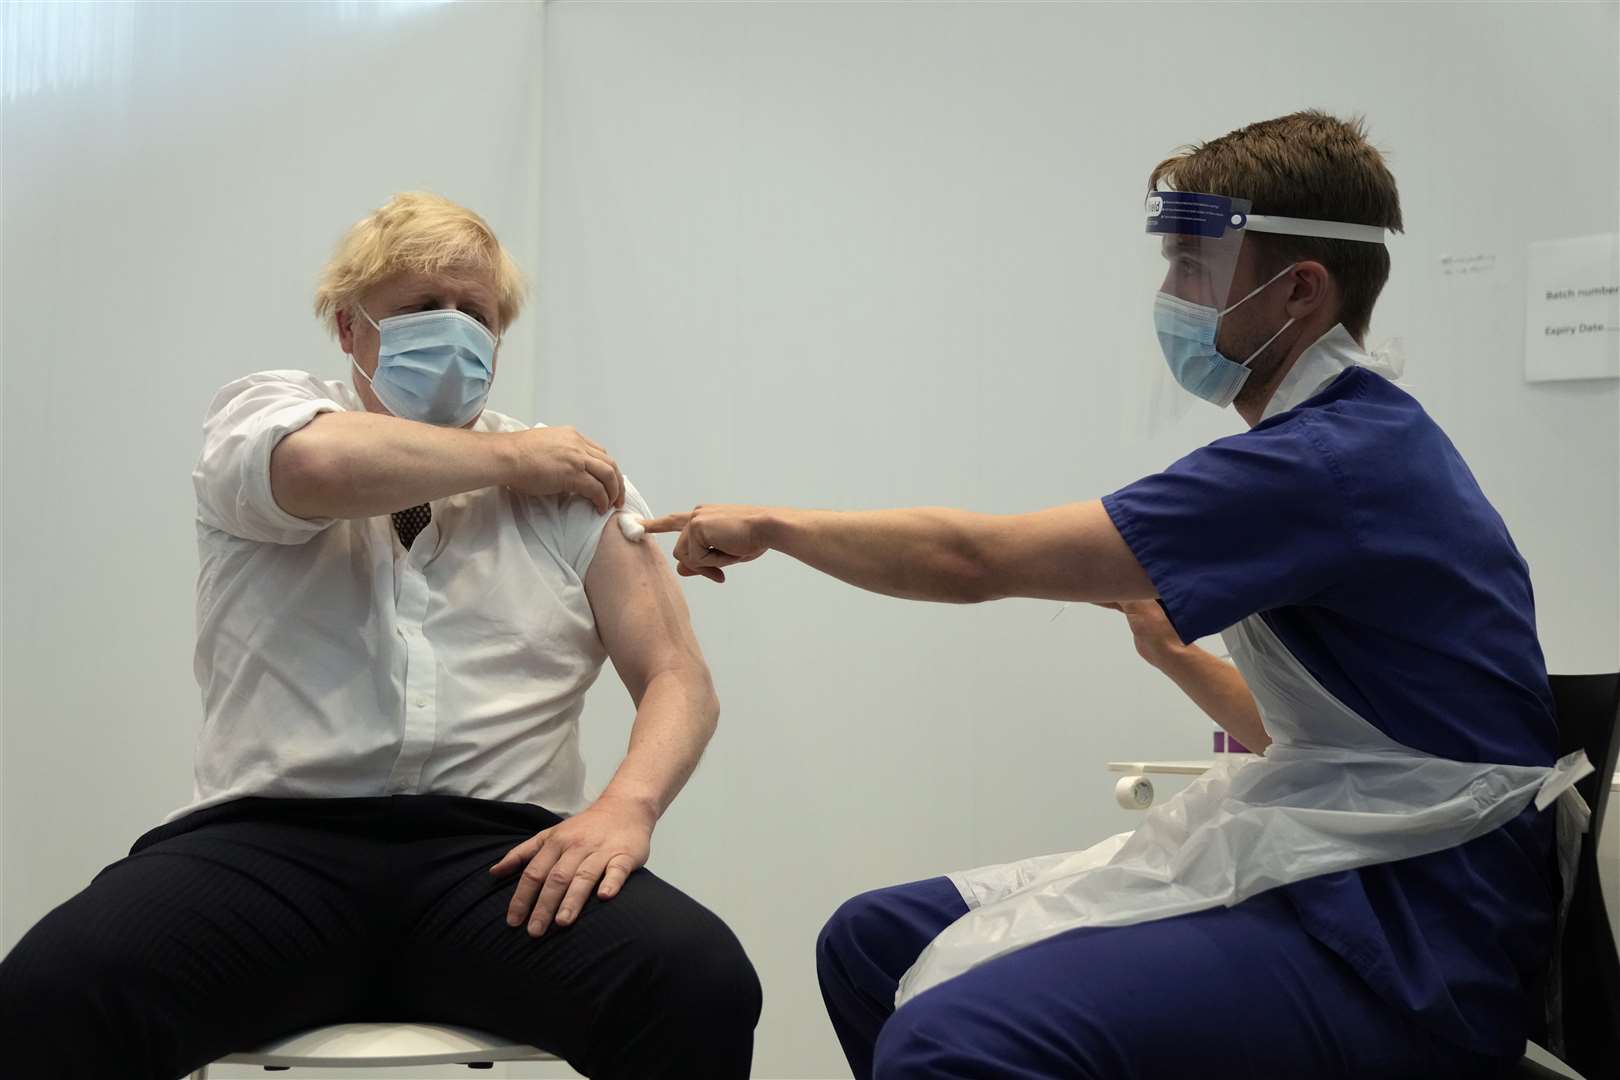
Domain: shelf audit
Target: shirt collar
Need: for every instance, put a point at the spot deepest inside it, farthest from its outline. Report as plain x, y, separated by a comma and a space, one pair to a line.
1324, 361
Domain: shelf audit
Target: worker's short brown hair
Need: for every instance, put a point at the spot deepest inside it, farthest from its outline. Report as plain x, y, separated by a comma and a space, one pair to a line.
1304, 165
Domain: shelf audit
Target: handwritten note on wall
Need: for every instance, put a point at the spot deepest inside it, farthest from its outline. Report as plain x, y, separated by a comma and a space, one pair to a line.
1572, 313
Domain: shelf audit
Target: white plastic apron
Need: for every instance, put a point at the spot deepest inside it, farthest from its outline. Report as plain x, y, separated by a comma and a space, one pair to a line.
1332, 793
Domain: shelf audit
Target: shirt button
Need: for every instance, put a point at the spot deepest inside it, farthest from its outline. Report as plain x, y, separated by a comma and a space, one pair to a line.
420, 704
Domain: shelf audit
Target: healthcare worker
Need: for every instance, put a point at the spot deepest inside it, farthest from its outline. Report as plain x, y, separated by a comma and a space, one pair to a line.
1373, 897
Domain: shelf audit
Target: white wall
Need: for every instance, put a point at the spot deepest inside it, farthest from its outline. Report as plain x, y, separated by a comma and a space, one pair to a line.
843, 255
866, 255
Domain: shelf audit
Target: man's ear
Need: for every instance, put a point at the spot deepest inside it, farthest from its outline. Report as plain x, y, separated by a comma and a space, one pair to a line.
345, 329
1312, 289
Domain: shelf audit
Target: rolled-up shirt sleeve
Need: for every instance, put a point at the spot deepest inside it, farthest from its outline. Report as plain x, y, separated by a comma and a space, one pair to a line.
582, 526
245, 421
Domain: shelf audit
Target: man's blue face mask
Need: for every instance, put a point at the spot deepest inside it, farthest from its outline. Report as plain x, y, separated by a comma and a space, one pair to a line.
1187, 335
432, 366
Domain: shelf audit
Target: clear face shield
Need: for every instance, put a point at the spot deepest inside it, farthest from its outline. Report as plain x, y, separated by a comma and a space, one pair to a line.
1201, 237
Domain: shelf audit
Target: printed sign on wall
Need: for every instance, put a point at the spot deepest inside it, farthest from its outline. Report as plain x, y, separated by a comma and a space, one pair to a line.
1572, 313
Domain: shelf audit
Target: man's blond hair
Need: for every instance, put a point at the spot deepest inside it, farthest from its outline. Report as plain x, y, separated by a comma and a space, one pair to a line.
420, 232
1306, 165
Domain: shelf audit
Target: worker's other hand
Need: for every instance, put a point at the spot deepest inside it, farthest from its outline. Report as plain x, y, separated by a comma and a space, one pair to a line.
597, 849
713, 537
1156, 639
561, 461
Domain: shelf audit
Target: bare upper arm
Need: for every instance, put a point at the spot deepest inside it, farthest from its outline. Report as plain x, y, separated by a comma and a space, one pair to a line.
1070, 552
641, 615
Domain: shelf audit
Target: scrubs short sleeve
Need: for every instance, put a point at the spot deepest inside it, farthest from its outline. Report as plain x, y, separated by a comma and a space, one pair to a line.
1248, 523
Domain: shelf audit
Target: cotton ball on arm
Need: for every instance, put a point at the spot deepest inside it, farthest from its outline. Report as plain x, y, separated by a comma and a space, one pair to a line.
633, 530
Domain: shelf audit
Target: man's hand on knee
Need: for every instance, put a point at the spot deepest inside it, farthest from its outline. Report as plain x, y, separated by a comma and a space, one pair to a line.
597, 849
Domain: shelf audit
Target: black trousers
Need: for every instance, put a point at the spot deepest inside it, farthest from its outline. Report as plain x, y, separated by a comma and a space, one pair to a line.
261, 917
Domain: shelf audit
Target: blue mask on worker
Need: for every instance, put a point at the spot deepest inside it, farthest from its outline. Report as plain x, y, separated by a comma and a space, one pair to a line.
1187, 335
432, 366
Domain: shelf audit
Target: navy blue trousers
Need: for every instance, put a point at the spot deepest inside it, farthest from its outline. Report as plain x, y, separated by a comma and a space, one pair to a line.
261, 917
1232, 992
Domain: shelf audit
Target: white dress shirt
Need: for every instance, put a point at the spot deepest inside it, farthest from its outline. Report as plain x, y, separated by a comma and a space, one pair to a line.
333, 662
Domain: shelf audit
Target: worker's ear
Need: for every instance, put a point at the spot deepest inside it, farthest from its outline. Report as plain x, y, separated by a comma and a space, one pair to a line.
1311, 287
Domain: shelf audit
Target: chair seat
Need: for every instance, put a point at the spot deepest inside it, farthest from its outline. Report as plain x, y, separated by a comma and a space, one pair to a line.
357, 1045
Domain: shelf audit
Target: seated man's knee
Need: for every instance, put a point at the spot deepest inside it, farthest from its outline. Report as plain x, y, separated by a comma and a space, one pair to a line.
706, 976
724, 979
85, 983
841, 939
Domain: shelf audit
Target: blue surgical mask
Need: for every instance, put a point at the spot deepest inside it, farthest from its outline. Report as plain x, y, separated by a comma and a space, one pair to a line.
432, 366
1187, 335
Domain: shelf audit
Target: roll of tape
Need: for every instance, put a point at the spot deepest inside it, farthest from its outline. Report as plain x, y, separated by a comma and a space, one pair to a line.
1134, 793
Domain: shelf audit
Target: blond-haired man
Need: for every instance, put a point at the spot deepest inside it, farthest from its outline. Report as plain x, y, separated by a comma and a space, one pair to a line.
1374, 896
403, 598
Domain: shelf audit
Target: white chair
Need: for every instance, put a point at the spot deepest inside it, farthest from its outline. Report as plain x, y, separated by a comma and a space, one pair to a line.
362, 1046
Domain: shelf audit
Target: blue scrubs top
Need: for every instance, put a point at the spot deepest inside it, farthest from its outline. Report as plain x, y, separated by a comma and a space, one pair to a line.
1352, 524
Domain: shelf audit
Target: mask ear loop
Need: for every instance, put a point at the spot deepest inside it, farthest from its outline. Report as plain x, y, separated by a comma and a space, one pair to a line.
355, 363
1256, 292
1269, 340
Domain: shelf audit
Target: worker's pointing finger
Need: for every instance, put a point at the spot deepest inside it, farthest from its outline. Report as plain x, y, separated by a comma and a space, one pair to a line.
667, 524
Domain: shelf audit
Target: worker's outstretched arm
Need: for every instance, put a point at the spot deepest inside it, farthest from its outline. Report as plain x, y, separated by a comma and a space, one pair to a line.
1070, 552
